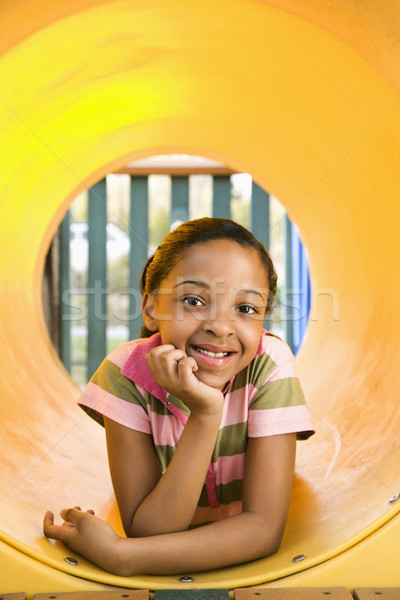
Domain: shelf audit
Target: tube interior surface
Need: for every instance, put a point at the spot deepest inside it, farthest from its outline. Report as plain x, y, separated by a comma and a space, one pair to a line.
306, 101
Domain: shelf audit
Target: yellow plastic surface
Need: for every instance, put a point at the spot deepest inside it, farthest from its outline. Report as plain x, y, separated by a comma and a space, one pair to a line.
305, 97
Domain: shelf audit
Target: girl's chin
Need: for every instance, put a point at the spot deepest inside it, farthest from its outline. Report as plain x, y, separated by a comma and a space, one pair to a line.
213, 382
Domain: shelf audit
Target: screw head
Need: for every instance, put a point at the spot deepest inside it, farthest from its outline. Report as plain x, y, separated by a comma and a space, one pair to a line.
186, 579
394, 498
71, 561
299, 558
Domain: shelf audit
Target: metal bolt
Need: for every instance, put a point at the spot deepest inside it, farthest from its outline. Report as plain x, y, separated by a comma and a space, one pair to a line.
299, 558
186, 579
71, 561
394, 498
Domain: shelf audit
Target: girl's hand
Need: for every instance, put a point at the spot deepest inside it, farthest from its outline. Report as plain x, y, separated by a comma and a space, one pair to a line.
87, 535
174, 371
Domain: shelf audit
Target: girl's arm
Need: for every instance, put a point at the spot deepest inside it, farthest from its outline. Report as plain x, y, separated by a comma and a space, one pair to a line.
254, 533
150, 504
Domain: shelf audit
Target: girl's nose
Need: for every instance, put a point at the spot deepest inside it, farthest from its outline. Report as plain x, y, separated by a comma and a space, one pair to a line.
219, 323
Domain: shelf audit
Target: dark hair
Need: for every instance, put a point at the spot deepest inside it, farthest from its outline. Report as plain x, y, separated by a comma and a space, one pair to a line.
199, 231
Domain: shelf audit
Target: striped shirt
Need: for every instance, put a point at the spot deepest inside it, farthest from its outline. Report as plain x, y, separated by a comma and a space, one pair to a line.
263, 399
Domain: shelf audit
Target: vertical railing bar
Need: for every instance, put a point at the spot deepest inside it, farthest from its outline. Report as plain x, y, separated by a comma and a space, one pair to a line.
65, 291
179, 199
221, 201
139, 236
260, 221
97, 277
260, 214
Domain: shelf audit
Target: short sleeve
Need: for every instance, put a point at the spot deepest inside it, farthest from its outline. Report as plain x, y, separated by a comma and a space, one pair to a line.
278, 405
110, 394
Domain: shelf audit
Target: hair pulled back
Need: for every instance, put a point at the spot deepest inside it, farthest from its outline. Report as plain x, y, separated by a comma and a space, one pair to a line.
199, 231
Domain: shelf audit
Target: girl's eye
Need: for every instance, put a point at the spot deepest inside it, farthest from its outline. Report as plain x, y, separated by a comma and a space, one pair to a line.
247, 309
192, 301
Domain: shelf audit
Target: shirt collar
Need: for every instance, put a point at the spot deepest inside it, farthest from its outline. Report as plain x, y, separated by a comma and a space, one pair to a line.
135, 367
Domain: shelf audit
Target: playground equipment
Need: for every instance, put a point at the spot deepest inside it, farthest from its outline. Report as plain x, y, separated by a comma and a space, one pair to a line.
305, 97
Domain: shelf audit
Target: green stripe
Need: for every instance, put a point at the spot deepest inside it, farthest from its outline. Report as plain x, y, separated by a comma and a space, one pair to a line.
159, 408
108, 377
279, 394
230, 492
256, 372
261, 368
226, 493
156, 406
164, 455
231, 440
179, 404
203, 500
93, 414
240, 381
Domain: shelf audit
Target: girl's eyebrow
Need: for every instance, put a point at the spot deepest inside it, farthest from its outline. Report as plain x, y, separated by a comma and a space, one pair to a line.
200, 283
262, 296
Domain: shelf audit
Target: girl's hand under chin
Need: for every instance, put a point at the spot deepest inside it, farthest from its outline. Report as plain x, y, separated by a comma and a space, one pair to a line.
174, 371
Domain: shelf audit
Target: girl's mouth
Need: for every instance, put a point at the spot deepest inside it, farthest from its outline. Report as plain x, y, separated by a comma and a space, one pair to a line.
210, 358
209, 353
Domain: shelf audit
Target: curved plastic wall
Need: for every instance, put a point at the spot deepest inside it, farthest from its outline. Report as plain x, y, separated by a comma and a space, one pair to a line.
306, 100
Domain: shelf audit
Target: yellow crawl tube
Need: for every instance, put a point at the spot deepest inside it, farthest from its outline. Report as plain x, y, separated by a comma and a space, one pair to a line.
305, 97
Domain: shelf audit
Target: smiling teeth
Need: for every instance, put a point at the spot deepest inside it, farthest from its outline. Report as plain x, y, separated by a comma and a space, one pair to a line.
213, 354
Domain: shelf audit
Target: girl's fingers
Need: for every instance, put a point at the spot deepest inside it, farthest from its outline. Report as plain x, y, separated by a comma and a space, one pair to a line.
163, 363
165, 356
72, 515
190, 361
49, 529
155, 354
48, 520
186, 367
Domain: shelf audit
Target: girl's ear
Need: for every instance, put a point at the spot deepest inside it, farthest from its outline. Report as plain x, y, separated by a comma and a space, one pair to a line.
149, 312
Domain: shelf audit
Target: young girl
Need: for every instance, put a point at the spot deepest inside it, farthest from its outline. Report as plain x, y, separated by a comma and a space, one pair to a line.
201, 415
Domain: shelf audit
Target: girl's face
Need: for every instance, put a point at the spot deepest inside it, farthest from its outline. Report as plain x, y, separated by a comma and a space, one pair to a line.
212, 306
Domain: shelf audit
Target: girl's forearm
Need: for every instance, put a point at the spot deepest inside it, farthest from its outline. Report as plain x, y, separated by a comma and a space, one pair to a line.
171, 504
234, 540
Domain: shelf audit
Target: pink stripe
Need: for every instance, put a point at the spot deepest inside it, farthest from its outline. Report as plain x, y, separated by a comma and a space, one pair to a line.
205, 514
229, 468
125, 413
235, 408
282, 371
275, 346
166, 429
274, 421
252, 393
121, 354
